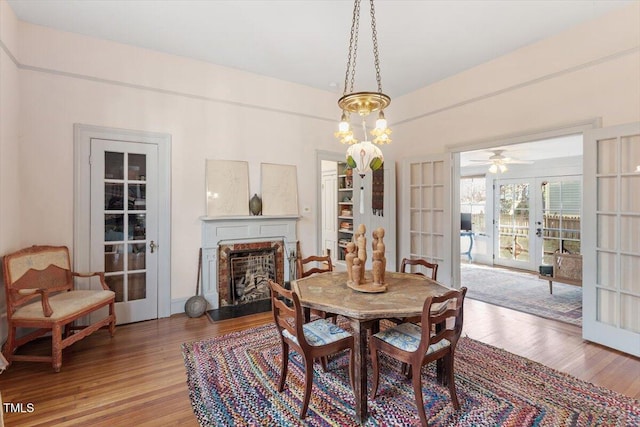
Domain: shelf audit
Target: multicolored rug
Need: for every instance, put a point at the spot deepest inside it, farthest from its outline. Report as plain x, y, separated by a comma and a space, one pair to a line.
232, 381
523, 292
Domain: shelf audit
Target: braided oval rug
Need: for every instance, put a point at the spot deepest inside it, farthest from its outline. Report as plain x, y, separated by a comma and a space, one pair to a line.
232, 381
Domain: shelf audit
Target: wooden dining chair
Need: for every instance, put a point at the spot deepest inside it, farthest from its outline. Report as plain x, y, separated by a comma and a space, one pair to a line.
320, 264
420, 262
417, 345
403, 268
312, 340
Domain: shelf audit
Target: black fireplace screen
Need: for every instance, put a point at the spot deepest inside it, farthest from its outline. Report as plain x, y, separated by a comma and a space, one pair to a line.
250, 271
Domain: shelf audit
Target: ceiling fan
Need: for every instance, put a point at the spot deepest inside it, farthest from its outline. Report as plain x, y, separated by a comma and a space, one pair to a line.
498, 162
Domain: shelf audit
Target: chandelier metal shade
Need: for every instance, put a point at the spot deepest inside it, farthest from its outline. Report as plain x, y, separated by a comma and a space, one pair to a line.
363, 156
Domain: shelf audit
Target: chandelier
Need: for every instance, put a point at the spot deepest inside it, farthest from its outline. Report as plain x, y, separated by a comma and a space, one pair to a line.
363, 156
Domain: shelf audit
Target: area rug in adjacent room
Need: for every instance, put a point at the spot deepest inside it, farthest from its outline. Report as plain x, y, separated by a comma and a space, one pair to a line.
232, 381
523, 292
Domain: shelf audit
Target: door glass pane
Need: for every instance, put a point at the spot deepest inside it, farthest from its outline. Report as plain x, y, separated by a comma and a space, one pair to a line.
116, 284
630, 156
606, 269
113, 165
607, 158
513, 222
137, 287
630, 194
629, 273
113, 196
629, 312
137, 226
607, 232
113, 259
136, 256
113, 227
630, 239
137, 167
607, 309
607, 196
137, 196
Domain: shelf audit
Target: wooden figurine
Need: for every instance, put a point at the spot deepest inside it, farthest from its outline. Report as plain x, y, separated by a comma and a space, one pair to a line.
357, 272
380, 247
349, 257
377, 268
362, 253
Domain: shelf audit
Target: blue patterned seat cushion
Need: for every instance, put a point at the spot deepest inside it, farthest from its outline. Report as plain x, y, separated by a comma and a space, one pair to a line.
319, 332
406, 336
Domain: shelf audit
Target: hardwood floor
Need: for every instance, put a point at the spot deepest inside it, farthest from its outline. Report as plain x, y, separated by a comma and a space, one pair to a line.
138, 377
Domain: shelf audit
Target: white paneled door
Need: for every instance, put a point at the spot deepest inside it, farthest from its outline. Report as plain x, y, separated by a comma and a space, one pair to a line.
427, 184
124, 224
611, 237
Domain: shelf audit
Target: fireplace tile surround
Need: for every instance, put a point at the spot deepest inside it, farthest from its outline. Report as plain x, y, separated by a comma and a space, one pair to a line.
248, 232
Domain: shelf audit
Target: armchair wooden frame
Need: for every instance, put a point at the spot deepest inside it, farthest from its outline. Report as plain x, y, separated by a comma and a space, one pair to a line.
40, 295
289, 319
431, 347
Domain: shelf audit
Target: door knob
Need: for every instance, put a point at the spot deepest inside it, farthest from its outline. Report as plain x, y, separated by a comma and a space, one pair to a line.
152, 246
538, 232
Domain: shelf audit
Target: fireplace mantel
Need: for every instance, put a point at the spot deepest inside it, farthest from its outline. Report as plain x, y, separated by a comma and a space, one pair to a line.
241, 229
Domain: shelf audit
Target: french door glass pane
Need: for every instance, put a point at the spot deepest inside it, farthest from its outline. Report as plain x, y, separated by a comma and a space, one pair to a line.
113, 165
125, 262
514, 222
630, 153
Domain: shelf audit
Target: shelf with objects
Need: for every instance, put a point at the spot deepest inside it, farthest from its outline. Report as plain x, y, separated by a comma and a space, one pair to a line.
345, 208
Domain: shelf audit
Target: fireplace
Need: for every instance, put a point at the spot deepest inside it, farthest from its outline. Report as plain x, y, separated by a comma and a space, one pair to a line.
266, 244
244, 271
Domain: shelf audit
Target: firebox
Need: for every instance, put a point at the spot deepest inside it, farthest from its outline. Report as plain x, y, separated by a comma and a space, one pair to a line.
249, 275
244, 271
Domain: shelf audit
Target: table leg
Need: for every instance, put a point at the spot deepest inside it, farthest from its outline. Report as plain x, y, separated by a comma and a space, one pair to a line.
360, 368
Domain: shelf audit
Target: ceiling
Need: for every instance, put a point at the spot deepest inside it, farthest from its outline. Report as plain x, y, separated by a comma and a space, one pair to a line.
564, 146
306, 42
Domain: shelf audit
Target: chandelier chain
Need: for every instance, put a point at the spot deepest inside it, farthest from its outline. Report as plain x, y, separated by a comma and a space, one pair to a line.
350, 61
375, 46
355, 28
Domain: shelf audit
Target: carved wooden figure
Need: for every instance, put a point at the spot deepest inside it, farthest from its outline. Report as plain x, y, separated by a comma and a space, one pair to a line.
377, 268
357, 271
349, 257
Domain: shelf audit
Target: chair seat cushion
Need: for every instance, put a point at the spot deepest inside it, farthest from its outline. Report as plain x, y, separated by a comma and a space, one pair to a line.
319, 332
63, 304
406, 336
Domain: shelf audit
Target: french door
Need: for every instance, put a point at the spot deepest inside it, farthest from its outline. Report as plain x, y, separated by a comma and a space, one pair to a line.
124, 224
611, 259
514, 217
93, 249
535, 218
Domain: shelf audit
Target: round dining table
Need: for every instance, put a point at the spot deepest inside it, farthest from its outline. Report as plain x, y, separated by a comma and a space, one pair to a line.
404, 297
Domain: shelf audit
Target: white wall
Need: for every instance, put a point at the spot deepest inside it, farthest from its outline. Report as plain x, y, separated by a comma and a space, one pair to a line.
590, 71
10, 203
210, 112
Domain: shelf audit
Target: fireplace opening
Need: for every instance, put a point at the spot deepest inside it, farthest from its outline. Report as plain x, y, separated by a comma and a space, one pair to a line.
244, 271
249, 275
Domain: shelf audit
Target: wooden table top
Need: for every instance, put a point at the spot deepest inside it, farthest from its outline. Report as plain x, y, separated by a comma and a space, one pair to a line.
404, 297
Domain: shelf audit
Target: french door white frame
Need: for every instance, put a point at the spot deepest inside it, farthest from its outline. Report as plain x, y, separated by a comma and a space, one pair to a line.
532, 209
82, 200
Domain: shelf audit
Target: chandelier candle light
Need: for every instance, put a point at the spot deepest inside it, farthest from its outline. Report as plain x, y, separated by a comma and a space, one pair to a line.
363, 156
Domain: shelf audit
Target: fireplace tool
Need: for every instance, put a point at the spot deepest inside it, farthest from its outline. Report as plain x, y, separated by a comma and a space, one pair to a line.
196, 305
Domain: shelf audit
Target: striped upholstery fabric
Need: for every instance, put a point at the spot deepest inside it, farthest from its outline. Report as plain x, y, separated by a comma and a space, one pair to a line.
319, 332
406, 336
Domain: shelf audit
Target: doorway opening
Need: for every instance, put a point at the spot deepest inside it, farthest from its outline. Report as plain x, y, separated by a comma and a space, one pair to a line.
520, 205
